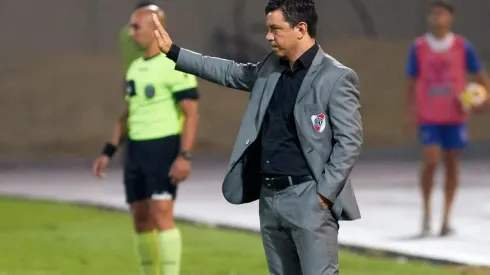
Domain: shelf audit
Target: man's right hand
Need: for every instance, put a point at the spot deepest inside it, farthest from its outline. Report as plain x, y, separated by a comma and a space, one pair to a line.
164, 40
99, 164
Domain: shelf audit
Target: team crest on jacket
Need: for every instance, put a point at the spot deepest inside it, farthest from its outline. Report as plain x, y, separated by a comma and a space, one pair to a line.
318, 122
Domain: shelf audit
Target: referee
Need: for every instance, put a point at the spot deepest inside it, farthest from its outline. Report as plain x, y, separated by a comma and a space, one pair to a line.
161, 122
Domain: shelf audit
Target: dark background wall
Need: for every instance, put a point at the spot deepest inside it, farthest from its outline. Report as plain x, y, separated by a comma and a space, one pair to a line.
60, 73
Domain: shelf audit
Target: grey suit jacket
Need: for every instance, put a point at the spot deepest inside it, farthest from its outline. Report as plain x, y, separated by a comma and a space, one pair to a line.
328, 121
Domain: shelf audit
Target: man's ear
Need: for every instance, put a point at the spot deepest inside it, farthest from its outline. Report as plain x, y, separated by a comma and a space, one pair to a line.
302, 28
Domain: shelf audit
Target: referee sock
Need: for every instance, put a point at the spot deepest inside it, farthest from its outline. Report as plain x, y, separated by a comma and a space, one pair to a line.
146, 248
170, 251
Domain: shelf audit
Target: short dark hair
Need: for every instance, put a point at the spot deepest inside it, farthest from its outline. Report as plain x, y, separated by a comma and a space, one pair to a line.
445, 4
142, 4
296, 11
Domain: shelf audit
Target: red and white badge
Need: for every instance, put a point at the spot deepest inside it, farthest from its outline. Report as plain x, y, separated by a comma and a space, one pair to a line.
318, 122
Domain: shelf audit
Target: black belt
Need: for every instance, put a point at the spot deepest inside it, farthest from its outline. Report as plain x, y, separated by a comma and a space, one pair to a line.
281, 182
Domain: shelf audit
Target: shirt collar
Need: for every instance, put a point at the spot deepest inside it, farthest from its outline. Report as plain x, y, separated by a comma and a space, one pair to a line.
305, 60
440, 45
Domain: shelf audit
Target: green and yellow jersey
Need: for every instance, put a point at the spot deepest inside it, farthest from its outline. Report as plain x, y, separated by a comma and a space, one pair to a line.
153, 90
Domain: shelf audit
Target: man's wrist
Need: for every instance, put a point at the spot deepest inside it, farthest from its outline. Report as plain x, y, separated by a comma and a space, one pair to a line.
109, 150
185, 154
173, 52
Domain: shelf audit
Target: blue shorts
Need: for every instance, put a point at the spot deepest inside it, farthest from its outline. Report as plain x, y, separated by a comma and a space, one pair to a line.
451, 136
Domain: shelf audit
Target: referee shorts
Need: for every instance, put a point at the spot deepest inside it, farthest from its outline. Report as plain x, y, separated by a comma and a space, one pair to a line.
146, 168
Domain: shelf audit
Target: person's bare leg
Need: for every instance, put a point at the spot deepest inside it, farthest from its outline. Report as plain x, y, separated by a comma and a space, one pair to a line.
142, 219
451, 164
431, 154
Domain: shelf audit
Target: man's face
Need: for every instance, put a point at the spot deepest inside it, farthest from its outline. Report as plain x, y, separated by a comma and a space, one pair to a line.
280, 34
141, 30
440, 18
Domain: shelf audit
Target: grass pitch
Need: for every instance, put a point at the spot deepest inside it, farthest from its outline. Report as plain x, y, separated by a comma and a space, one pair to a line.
45, 238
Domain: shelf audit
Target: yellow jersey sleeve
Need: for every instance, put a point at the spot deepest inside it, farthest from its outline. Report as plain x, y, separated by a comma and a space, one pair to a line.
182, 82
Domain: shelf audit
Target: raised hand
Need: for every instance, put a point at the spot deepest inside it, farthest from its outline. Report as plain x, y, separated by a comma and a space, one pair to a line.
164, 40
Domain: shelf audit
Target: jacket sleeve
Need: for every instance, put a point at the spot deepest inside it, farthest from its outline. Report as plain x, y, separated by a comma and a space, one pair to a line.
217, 70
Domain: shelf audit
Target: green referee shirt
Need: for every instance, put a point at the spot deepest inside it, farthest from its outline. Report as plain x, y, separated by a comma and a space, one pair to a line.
153, 90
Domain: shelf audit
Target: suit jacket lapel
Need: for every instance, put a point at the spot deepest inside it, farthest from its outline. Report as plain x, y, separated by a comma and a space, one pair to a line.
269, 87
315, 67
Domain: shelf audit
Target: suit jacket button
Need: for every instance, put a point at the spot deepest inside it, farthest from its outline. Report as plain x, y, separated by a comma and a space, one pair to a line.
247, 142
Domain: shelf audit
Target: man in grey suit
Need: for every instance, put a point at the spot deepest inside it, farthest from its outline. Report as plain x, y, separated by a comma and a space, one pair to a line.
299, 140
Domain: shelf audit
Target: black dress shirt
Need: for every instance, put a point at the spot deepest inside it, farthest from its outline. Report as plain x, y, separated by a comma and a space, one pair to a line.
281, 151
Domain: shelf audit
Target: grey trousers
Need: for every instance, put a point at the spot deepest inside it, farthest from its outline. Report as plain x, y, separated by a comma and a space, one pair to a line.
298, 234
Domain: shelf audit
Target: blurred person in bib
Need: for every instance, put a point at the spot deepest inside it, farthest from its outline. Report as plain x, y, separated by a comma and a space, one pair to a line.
436, 76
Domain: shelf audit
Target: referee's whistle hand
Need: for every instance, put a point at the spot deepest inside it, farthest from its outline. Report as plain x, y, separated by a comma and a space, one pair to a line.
99, 164
164, 40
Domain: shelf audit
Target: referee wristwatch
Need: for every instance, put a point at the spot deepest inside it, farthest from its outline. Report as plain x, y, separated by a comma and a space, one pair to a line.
186, 155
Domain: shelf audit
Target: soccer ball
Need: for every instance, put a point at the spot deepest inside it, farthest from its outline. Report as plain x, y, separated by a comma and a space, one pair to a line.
473, 95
